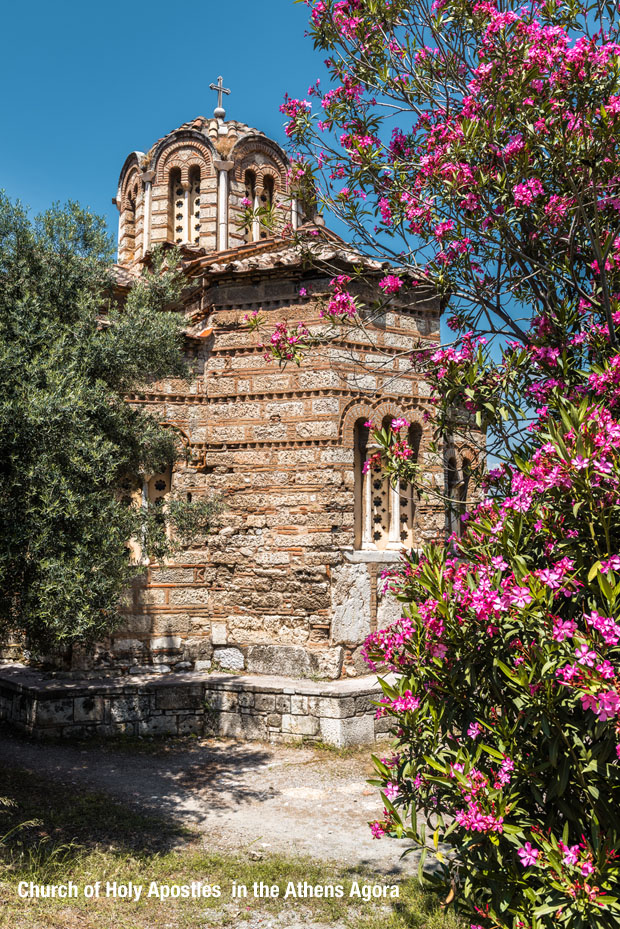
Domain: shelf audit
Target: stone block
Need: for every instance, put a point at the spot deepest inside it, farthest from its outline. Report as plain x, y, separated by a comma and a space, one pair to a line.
299, 705
383, 725
253, 727
350, 596
228, 725
294, 661
336, 707
300, 725
246, 699
88, 709
168, 623
136, 624
219, 634
282, 703
273, 721
366, 704
179, 698
129, 707
198, 647
202, 665
189, 596
172, 575
166, 642
229, 659
264, 703
158, 725
357, 730
125, 646
54, 712
190, 725
222, 700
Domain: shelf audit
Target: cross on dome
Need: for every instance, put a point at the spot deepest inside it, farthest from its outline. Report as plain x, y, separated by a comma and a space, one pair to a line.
219, 111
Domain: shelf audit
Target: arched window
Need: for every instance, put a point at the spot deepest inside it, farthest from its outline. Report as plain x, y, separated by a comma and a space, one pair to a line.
385, 512
158, 488
251, 230
406, 496
129, 224
194, 205
176, 208
266, 201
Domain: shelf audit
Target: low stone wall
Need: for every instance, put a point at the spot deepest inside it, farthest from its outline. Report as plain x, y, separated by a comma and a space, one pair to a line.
264, 707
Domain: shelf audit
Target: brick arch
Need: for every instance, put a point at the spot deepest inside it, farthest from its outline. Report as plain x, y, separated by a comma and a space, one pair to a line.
132, 177
376, 410
244, 156
181, 434
356, 409
460, 452
133, 162
185, 155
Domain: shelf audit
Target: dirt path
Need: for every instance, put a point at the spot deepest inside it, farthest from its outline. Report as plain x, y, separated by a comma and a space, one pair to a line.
252, 796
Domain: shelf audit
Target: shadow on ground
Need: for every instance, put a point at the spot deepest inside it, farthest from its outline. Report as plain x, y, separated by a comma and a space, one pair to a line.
228, 796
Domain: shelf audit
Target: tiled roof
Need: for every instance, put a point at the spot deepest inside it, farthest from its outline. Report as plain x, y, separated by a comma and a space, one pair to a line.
323, 245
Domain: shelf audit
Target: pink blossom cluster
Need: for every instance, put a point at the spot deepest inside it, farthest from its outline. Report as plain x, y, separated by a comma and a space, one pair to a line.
391, 284
341, 303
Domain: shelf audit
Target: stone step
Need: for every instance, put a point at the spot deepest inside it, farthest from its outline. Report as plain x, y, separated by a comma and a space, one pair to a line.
240, 706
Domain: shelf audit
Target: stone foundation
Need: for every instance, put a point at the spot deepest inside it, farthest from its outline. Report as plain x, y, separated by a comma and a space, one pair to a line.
263, 707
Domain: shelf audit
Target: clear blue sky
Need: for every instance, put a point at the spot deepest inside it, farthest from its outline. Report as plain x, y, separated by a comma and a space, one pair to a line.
84, 84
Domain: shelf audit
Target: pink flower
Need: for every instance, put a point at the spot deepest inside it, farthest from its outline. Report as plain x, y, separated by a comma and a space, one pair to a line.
613, 564
585, 656
474, 730
398, 424
564, 629
608, 705
526, 192
391, 284
528, 855
588, 702
377, 830
571, 853
391, 790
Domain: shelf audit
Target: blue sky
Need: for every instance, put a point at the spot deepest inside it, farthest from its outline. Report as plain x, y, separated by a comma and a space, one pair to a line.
85, 84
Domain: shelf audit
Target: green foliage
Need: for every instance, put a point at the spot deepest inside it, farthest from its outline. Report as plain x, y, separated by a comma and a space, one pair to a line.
507, 705
69, 353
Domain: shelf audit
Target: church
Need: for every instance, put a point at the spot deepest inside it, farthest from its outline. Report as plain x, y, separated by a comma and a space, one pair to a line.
257, 629
291, 581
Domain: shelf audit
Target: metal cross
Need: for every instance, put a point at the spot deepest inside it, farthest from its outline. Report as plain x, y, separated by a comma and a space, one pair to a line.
220, 90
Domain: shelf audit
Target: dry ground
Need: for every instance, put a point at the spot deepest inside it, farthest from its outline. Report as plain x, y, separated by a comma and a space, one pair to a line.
213, 811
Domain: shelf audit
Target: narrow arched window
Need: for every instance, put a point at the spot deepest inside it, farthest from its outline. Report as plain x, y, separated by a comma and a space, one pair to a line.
129, 224
360, 450
194, 205
266, 201
176, 208
251, 198
407, 501
377, 501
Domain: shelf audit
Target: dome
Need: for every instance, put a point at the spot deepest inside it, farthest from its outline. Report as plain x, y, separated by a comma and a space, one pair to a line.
208, 186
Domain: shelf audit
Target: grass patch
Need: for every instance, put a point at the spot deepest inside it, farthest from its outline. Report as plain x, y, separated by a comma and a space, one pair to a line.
51, 833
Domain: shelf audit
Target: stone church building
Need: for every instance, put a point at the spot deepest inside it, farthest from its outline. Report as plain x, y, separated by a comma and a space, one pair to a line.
264, 619
290, 581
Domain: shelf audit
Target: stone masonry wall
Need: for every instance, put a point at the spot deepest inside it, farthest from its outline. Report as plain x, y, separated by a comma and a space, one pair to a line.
268, 708
275, 588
